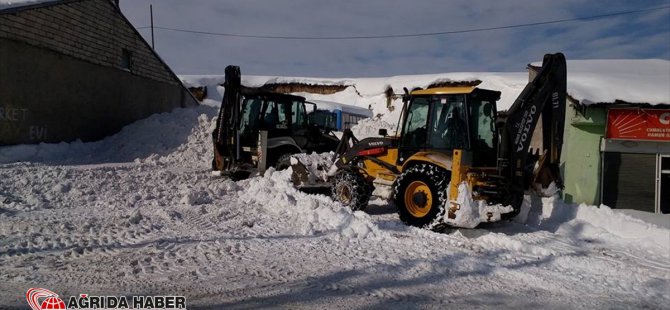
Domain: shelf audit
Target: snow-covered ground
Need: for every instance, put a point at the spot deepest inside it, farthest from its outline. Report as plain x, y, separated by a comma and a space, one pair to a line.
139, 213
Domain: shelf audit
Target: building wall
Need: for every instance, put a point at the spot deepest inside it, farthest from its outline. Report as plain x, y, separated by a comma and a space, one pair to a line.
50, 97
91, 30
581, 163
61, 77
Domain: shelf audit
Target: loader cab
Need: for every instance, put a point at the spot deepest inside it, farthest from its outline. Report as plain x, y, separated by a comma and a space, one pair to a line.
285, 119
448, 118
281, 115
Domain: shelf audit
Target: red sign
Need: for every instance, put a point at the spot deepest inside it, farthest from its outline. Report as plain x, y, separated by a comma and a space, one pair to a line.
638, 124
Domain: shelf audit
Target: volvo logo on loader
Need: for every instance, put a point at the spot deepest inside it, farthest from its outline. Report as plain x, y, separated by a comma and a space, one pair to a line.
376, 143
527, 122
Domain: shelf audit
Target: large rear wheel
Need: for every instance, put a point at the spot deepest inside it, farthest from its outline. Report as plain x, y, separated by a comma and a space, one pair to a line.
420, 194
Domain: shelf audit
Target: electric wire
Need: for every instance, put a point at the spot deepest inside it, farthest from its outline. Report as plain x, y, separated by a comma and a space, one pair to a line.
427, 34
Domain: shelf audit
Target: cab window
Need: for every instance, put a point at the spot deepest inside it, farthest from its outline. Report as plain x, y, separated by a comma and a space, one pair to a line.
416, 123
448, 123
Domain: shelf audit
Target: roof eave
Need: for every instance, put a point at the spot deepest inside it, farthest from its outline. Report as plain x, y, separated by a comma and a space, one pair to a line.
31, 6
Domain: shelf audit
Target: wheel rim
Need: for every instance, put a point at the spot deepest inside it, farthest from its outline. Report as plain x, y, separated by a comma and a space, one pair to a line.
418, 199
344, 194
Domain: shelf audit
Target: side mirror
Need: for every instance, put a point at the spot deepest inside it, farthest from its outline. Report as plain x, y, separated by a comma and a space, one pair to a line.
405, 96
383, 132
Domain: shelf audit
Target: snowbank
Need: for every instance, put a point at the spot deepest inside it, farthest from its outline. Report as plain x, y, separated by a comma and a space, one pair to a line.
161, 221
176, 136
309, 214
586, 221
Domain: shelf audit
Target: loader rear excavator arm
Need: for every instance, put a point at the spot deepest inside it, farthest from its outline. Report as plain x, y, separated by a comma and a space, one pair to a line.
545, 96
225, 135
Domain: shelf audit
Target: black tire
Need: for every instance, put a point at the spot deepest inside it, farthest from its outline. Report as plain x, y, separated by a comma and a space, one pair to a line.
351, 189
283, 161
420, 194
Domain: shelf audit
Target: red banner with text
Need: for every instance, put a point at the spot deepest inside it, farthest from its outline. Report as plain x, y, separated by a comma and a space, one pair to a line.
638, 124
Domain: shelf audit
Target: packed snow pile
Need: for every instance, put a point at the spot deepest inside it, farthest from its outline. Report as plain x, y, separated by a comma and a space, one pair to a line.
307, 214
158, 139
369, 127
140, 210
590, 221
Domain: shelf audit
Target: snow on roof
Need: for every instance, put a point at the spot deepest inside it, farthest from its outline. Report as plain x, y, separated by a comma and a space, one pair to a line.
332, 106
367, 89
7, 4
589, 81
629, 80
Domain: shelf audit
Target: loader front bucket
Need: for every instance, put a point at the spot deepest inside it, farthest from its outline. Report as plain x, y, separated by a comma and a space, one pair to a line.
300, 174
312, 170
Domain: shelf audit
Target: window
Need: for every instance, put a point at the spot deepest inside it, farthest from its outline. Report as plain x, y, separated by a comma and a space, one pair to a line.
350, 120
482, 116
251, 107
324, 119
298, 114
271, 118
347, 120
126, 59
449, 126
415, 123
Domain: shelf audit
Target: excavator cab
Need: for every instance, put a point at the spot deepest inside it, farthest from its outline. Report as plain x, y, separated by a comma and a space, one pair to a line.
279, 114
449, 118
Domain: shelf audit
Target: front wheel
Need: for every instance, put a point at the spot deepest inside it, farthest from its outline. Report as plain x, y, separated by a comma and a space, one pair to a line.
351, 189
420, 194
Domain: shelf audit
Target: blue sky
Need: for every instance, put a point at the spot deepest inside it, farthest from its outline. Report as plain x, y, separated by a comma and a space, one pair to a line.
640, 35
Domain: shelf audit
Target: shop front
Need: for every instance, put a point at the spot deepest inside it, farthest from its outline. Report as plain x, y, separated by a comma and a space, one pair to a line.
635, 157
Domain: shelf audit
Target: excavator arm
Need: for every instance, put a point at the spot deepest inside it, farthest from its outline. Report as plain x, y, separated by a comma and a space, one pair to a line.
544, 96
225, 135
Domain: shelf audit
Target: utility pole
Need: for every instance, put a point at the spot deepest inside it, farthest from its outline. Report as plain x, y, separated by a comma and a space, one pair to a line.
151, 13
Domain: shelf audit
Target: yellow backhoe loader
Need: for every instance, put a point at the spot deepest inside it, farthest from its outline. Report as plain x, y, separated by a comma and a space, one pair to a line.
456, 160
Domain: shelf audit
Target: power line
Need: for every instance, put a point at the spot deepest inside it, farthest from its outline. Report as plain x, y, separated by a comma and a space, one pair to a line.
593, 17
